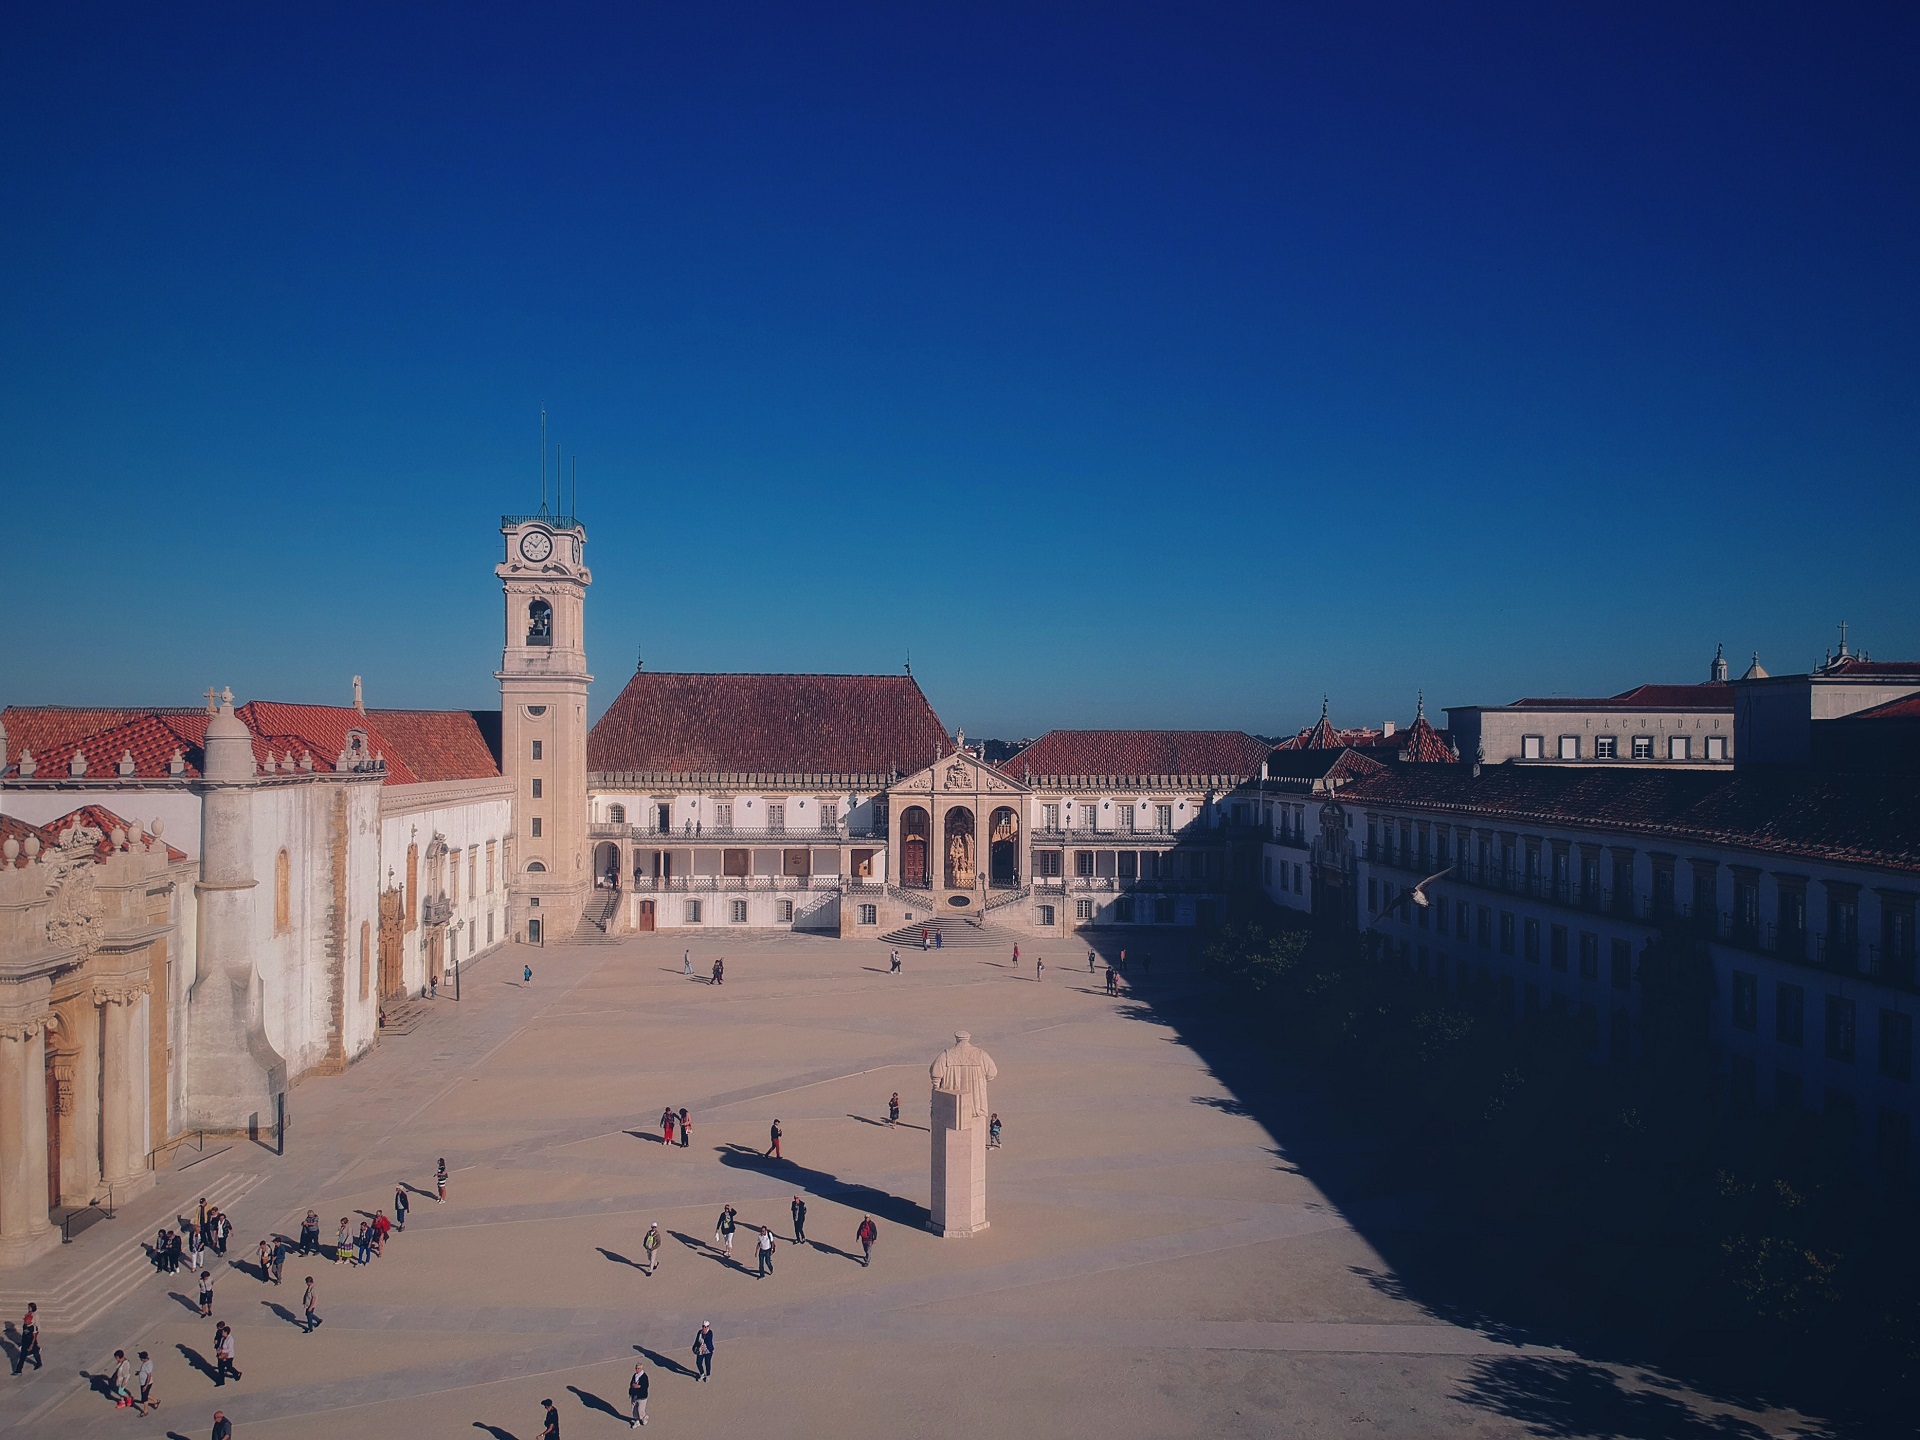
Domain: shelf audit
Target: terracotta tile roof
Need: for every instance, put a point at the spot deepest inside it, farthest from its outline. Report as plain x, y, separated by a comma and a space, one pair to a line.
1709, 695
150, 739
13, 828
106, 822
1816, 814
41, 728
1304, 767
1423, 745
875, 725
280, 729
1905, 708
1854, 665
1231, 753
443, 744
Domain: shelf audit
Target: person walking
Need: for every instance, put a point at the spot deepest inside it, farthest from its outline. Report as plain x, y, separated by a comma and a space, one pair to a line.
765, 1246
686, 962
719, 970
206, 1294
939, 938
993, 1132
866, 1235
401, 1203
893, 1108
308, 1304
221, 1229
1112, 987
650, 1247
893, 963
526, 975
666, 1126
382, 1228
1039, 967
440, 1179
637, 1386
773, 1149
923, 937
29, 1339
799, 1209
1089, 962
222, 1426
686, 1127
120, 1382
703, 1352
1016, 957
310, 1233
143, 1378
197, 1244
279, 1257
343, 1243
550, 1421
723, 1229
223, 1353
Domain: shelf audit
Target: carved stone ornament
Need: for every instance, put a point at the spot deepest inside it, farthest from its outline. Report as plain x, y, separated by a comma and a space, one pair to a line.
956, 777
63, 1085
124, 993
74, 918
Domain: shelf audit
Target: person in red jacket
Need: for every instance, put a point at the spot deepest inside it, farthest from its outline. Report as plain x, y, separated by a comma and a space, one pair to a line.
866, 1235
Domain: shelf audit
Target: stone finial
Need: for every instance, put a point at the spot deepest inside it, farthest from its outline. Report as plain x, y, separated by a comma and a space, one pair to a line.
77, 765
226, 697
306, 761
119, 838
10, 849
157, 827
28, 765
176, 766
126, 762
32, 847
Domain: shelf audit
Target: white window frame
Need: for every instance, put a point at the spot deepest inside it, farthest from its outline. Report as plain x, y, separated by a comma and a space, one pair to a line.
737, 911
1679, 747
1083, 909
1716, 747
1533, 747
869, 915
1569, 747
1606, 747
693, 912
1643, 747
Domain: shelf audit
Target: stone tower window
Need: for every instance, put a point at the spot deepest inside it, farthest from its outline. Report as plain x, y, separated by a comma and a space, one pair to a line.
539, 623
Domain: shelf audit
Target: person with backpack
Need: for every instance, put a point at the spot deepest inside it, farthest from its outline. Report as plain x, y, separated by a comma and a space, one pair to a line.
650, 1247
866, 1235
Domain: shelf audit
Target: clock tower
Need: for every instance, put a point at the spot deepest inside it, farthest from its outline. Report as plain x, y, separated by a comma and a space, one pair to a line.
543, 722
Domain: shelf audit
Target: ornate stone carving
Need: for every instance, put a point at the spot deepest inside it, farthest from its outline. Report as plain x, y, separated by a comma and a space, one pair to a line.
74, 917
955, 777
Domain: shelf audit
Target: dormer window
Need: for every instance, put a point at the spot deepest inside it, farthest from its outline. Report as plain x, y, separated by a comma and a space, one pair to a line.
539, 623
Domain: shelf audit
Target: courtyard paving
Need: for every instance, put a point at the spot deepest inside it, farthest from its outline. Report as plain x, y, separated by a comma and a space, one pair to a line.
1158, 1263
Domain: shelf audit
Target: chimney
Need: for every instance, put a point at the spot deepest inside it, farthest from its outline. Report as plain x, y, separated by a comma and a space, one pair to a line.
359, 701
1386, 730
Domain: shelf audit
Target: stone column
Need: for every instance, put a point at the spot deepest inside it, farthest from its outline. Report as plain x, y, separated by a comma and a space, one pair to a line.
123, 1060
24, 1229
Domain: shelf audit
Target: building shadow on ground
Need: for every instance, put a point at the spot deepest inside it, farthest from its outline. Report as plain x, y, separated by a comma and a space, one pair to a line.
898, 1209
1576, 1398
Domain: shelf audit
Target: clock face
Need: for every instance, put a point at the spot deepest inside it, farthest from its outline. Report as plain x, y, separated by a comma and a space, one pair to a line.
536, 545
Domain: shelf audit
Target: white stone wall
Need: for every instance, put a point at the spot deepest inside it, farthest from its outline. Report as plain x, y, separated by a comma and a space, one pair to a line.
468, 815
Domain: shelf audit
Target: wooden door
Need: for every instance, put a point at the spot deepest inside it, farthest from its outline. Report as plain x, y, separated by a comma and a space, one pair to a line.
646, 916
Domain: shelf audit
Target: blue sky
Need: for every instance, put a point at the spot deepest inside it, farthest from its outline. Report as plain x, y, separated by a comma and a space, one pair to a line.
1150, 367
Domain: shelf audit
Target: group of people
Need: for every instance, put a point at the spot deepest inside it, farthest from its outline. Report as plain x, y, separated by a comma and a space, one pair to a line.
719, 976
206, 1229
670, 1122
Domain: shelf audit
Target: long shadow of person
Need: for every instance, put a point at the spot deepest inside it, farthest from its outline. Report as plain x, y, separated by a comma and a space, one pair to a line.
199, 1362
494, 1430
594, 1402
835, 1250
10, 1342
285, 1314
672, 1367
193, 1305
856, 1196
99, 1384
618, 1258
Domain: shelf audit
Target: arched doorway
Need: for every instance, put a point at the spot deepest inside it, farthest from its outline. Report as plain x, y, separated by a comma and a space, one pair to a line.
1003, 848
606, 865
958, 848
914, 873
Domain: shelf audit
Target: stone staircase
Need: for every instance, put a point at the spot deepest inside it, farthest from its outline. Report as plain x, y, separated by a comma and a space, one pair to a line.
954, 931
596, 921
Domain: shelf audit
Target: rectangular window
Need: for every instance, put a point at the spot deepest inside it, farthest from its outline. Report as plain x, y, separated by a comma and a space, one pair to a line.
1163, 819
784, 911
1046, 914
693, 912
1557, 948
1840, 1029
1789, 1014
723, 815
1605, 747
662, 819
736, 863
1486, 928
1678, 748
1716, 747
1706, 902
870, 914
1128, 865
1046, 863
1083, 862
1569, 747
536, 788
776, 819
1896, 1045
536, 827
1643, 747
1622, 964
1506, 932
473, 872
453, 876
1530, 937
1050, 817
1163, 911
827, 815
1589, 955
1530, 746
490, 845
1123, 910
1746, 1001
1296, 881
1083, 909
536, 749
1746, 908
737, 911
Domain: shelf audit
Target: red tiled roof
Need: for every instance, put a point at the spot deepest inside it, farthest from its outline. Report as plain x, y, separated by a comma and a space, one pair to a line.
280, 729
443, 744
13, 828
1709, 695
1139, 752
1905, 708
41, 728
100, 818
1321, 764
1423, 745
1854, 665
151, 740
768, 724
1819, 814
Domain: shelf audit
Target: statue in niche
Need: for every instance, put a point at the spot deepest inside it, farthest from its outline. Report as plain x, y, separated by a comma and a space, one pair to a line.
960, 860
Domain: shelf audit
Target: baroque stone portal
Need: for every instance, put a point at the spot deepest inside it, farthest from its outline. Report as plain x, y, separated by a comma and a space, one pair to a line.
958, 1121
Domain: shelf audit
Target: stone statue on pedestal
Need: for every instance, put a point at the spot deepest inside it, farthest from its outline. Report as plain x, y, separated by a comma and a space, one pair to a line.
959, 1124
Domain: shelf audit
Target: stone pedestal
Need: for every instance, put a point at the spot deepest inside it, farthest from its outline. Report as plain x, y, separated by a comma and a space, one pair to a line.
959, 1205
